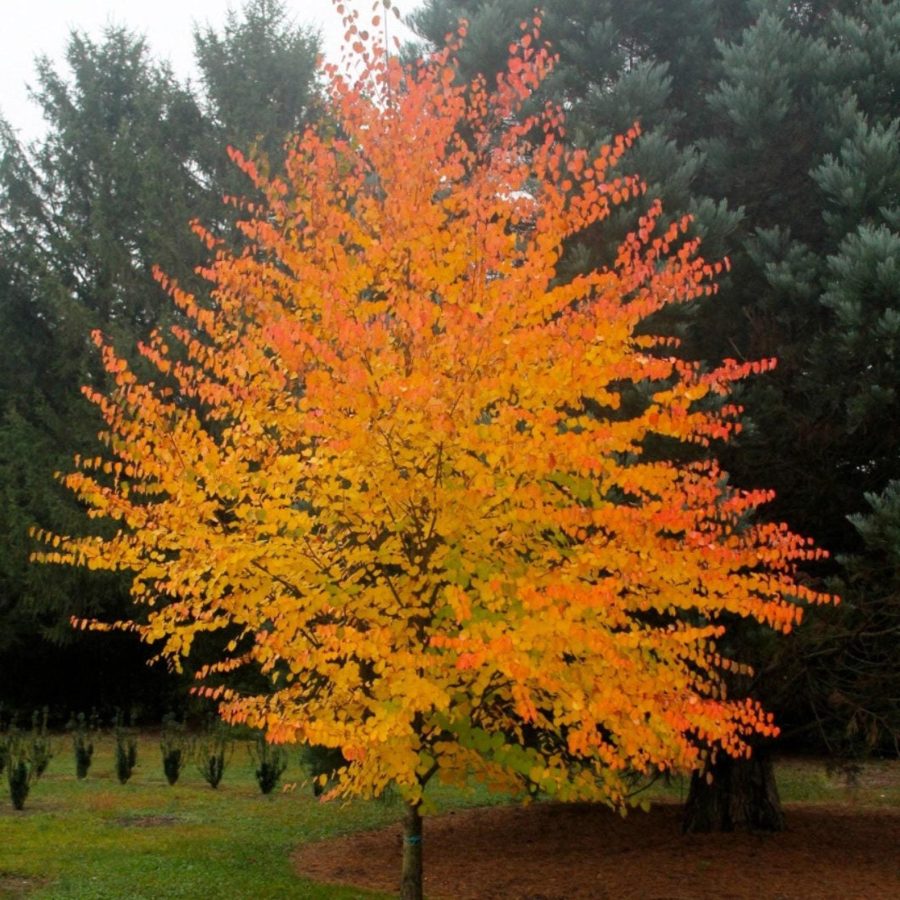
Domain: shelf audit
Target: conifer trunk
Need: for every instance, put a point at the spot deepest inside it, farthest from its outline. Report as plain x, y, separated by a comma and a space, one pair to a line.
411, 873
742, 796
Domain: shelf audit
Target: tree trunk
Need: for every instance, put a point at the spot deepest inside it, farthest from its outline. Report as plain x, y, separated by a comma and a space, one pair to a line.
411, 874
742, 796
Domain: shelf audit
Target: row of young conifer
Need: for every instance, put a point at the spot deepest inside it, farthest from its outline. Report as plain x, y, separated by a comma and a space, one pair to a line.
25, 754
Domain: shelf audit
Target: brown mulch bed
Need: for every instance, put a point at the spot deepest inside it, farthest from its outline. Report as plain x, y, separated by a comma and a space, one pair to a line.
574, 852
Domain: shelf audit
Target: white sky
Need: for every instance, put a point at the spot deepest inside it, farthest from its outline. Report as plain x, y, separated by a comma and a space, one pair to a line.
35, 27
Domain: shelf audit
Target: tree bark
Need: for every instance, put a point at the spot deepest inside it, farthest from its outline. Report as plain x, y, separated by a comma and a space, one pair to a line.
411, 873
742, 796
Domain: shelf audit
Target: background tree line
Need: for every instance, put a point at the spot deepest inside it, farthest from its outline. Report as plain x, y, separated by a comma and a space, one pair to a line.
130, 156
774, 123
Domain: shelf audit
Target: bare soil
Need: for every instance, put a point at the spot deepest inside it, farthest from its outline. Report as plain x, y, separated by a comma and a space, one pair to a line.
552, 851
148, 821
14, 886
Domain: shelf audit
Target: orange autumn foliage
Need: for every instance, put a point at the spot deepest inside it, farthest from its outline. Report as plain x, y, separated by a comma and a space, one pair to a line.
391, 453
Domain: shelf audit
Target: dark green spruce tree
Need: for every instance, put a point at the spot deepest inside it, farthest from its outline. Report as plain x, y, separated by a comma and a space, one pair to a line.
774, 124
819, 289
851, 663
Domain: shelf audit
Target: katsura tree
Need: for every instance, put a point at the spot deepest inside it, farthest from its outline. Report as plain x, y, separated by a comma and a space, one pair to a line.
463, 513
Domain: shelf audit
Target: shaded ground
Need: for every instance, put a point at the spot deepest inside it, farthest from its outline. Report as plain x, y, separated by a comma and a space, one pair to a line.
574, 852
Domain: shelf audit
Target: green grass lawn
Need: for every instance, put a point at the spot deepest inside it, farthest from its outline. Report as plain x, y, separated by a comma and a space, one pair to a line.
99, 839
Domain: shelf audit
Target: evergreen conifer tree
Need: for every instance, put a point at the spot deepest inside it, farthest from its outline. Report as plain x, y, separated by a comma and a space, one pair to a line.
130, 156
775, 124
